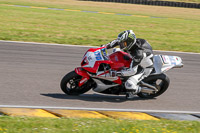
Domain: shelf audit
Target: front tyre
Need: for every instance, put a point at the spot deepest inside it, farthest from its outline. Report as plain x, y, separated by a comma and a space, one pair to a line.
161, 82
69, 84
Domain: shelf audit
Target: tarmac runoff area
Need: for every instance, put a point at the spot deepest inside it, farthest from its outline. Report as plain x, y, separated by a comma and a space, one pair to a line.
71, 113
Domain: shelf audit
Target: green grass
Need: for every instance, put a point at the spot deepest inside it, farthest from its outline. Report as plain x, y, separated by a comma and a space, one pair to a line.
177, 32
63, 125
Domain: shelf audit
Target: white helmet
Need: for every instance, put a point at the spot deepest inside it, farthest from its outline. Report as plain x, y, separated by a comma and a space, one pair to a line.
127, 39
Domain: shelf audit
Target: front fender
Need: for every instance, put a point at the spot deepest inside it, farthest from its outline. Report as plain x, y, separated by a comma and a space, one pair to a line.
85, 76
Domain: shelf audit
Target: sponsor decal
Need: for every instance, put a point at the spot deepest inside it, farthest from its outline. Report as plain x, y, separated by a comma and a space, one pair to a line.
83, 80
89, 58
172, 59
165, 60
169, 60
116, 58
104, 52
98, 55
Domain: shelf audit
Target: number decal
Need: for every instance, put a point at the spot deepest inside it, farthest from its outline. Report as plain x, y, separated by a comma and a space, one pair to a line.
98, 55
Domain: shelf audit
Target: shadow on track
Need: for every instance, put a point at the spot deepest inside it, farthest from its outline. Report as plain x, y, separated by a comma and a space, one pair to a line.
93, 97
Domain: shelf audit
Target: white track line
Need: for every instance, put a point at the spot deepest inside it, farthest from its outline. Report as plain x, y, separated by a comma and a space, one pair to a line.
101, 109
69, 45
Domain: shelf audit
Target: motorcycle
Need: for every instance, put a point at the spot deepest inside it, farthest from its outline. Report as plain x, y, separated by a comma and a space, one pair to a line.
95, 73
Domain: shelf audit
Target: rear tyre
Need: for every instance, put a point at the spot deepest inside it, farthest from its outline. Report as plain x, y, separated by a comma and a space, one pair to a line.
69, 84
161, 82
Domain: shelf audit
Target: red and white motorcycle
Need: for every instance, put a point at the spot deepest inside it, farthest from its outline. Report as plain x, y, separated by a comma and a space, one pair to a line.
95, 74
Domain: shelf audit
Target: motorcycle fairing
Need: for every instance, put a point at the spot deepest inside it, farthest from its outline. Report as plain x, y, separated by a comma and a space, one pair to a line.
93, 58
106, 76
84, 74
120, 59
163, 63
96, 65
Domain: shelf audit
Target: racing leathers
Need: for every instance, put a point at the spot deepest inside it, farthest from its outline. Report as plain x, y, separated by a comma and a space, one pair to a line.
141, 65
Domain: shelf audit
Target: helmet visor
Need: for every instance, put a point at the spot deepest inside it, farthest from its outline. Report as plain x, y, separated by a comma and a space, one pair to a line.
123, 45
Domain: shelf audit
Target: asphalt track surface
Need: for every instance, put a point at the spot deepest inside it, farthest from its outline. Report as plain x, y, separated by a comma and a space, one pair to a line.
30, 75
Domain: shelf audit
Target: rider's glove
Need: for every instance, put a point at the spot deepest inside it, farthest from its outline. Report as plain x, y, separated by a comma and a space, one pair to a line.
107, 46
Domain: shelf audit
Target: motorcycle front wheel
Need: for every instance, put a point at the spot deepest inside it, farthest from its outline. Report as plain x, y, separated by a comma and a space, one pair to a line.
161, 82
69, 84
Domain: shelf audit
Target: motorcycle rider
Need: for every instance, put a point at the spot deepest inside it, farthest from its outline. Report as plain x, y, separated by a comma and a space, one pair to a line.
142, 60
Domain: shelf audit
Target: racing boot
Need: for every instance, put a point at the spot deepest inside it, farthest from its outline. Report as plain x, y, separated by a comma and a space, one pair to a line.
131, 93
132, 86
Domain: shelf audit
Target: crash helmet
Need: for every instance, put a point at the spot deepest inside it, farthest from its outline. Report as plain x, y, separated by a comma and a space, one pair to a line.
127, 40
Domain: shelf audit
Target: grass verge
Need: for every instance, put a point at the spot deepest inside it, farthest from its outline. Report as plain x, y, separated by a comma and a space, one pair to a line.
49, 125
177, 31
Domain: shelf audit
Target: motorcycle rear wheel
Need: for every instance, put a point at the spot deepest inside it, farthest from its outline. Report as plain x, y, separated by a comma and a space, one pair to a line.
69, 84
161, 82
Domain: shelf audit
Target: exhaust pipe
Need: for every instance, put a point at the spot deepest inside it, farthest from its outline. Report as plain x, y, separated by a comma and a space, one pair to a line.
150, 89
147, 90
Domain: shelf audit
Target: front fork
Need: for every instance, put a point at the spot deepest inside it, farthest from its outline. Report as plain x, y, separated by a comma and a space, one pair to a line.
85, 77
